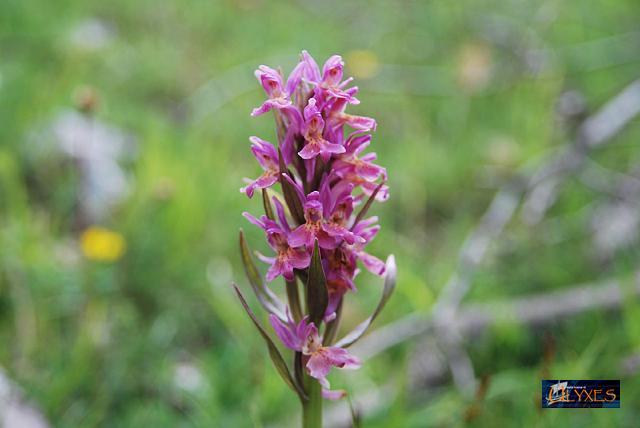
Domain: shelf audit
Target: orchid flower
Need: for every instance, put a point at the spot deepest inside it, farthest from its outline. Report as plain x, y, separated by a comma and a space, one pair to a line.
287, 257
317, 186
314, 227
318, 360
332, 73
279, 96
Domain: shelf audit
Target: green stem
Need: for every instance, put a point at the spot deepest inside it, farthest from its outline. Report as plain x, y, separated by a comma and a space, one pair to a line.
312, 408
332, 327
294, 299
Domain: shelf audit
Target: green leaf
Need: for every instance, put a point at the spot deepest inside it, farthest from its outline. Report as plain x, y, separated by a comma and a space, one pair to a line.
266, 297
302, 275
356, 418
274, 353
268, 210
389, 286
367, 205
317, 294
289, 192
312, 408
294, 299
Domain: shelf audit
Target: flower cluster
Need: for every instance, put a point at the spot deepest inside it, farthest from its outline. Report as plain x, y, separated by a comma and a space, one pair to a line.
327, 185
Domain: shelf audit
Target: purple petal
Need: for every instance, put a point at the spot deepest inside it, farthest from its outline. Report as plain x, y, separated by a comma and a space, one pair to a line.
311, 110
319, 365
287, 272
262, 257
300, 259
334, 301
281, 215
292, 114
372, 263
361, 123
270, 80
295, 77
329, 316
333, 395
300, 236
266, 180
275, 270
248, 189
341, 358
321, 361
326, 241
358, 142
265, 153
286, 333
264, 108
331, 148
369, 171
337, 230
278, 104
306, 329
368, 187
311, 70
332, 70
254, 220
309, 151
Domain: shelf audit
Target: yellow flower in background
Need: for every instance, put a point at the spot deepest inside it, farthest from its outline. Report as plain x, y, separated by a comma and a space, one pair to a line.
103, 245
363, 64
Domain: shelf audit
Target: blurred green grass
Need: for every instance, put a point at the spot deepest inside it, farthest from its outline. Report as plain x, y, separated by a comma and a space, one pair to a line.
458, 92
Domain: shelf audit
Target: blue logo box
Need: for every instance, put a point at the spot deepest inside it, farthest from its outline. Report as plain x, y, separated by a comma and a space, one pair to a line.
580, 394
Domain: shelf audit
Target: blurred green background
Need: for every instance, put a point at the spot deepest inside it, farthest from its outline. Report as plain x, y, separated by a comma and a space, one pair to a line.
115, 261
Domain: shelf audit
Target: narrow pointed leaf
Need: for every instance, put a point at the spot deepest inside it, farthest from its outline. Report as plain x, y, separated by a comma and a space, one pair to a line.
367, 205
274, 353
268, 209
356, 418
302, 275
290, 194
389, 286
317, 294
265, 296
